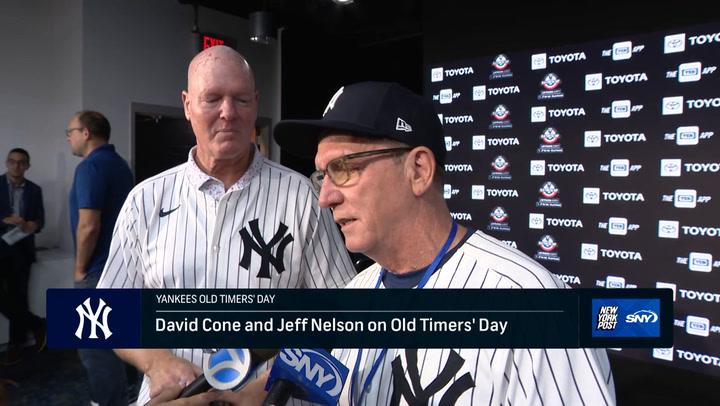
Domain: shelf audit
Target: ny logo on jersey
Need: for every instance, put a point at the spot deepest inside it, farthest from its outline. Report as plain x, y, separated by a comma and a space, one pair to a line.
264, 249
415, 394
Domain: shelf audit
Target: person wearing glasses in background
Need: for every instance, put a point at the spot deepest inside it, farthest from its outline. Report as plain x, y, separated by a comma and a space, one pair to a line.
23, 215
380, 151
102, 182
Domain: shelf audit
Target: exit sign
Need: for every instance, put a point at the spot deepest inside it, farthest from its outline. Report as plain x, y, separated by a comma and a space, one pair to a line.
211, 40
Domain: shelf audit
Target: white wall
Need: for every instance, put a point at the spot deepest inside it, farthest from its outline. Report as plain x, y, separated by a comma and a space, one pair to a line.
61, 56
138, 51
40, 82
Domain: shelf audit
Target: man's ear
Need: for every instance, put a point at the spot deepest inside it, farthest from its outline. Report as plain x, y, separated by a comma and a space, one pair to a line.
185, 101
421, 166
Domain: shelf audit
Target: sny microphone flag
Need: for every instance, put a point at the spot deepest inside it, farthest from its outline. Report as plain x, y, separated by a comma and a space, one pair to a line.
316, 374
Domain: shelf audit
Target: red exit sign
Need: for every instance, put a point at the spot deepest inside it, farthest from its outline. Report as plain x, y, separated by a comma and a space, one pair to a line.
211, 40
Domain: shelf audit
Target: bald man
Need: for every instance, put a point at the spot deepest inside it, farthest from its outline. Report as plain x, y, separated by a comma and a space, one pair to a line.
227, 218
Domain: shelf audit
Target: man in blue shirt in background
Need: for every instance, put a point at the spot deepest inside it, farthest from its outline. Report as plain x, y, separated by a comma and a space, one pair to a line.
102, 182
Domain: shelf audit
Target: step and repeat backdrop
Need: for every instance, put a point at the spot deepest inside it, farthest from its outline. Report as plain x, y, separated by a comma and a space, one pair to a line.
600, 160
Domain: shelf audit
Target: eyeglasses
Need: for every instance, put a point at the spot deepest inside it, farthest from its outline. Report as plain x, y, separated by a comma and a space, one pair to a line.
70, 130
341, 170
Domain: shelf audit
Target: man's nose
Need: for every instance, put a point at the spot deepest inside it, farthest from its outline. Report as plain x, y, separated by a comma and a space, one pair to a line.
330, 196
228, 109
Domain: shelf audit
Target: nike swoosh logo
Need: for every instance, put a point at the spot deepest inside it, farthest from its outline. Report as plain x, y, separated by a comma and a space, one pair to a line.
165, 213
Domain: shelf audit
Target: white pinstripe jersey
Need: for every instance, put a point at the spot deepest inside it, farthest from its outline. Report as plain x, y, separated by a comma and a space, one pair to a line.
179, 229
459, 376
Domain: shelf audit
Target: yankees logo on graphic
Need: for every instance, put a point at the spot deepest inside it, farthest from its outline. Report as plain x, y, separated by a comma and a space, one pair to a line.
264, 249
415, 394
85, 312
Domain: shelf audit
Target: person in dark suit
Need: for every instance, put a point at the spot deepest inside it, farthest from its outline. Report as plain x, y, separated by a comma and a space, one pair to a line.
21, 207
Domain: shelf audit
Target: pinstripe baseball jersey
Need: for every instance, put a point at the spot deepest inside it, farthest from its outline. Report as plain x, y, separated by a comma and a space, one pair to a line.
181, 229
491, 376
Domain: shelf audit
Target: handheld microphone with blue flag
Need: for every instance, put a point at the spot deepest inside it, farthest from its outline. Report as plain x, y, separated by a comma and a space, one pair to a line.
227, 369
308, 374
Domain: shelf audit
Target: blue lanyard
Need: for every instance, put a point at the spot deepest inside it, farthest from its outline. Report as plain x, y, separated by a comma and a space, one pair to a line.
376, 364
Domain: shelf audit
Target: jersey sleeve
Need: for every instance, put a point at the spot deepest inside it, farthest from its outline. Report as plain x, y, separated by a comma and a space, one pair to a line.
554, 376
123, 268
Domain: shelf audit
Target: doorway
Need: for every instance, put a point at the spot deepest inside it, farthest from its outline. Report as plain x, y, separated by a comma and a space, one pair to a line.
162, 139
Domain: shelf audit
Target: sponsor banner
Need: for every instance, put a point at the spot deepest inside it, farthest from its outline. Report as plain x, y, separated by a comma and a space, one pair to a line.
615, 282
623, 50
699, 262
500, 118
618, 226
550, 142
700, 358
438, 74
499, 220
500, 169
547, 249
501, 68
612, 139
688, 135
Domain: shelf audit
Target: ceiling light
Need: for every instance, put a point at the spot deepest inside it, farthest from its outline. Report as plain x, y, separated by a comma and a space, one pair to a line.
260, 27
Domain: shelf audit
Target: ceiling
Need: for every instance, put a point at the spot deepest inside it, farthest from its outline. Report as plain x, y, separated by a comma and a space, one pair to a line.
365, 22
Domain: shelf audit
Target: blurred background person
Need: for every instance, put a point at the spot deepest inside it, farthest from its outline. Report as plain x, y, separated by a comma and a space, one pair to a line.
23, 215
102, 182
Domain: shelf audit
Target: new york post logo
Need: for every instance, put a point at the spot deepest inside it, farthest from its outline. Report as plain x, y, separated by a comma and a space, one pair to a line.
626, 318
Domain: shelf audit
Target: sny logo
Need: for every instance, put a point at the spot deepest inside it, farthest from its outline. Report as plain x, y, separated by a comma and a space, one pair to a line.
85, 312
257, 243
642, 316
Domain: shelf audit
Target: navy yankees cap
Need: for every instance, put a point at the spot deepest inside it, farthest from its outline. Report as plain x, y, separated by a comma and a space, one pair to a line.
370, 109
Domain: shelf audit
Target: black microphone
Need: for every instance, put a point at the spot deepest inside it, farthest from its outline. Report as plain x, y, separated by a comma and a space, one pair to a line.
308, 374
227, 369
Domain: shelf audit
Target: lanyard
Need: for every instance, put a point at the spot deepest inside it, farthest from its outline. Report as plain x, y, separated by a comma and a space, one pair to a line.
376, 364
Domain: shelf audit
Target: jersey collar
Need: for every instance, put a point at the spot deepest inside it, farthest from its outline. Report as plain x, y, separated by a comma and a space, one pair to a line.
213, 186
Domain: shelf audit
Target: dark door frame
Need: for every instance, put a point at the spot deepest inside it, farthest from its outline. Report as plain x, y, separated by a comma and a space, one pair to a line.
151, 110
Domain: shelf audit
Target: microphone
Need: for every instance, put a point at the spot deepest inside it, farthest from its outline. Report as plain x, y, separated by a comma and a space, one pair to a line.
227, 369
308, 374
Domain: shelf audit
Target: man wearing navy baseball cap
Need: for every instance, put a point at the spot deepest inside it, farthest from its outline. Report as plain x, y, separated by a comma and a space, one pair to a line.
379, 151
373, 109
